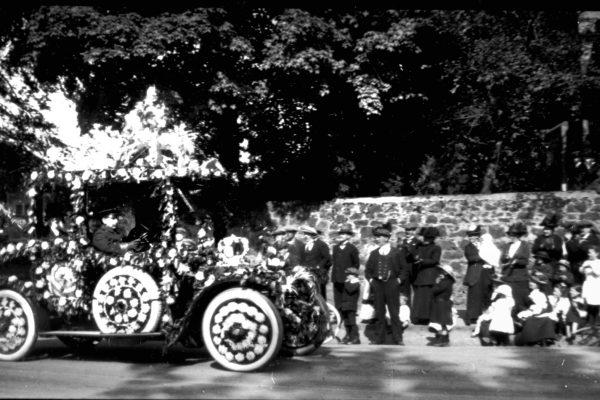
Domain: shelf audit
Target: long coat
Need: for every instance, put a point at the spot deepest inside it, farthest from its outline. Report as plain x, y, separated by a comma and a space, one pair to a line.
318, 259
479, 282
516, 274
345, 263
441, 305
429, 254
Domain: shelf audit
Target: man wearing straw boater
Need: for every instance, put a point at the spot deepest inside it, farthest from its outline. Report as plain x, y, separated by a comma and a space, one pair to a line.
346, 285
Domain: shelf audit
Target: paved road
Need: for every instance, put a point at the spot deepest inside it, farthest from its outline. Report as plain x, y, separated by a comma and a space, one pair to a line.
462, 371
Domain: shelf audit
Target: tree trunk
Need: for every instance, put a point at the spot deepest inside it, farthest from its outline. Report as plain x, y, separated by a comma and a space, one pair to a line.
490, 175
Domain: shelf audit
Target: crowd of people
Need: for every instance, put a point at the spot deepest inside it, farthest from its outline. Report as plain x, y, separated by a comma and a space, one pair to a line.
535, 292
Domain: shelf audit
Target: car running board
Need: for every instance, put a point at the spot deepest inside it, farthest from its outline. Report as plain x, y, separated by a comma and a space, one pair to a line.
98, 334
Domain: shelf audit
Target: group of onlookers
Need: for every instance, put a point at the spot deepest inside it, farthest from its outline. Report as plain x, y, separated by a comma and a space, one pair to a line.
535, 291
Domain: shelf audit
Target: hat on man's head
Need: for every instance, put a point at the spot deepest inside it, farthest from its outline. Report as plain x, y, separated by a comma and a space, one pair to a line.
430, 232
474, 230
517, 229
278, 231
346, 229
309, 230
411, 226
109, 211
586, 223
290, 228
540, 279
550, 221
382, 231
564, 262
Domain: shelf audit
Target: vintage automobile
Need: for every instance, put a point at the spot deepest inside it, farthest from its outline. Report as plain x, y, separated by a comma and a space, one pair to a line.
174, 288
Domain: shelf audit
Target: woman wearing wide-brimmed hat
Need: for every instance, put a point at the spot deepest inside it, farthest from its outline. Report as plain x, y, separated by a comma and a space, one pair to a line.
426, 261
478, 277
548, 241
346, 285
538, 325
515, 259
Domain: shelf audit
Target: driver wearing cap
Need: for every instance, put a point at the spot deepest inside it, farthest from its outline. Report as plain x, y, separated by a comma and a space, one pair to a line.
109, 239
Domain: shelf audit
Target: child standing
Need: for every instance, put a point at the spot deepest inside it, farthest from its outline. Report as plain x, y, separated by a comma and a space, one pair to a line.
404, 312
590, 290
441, 306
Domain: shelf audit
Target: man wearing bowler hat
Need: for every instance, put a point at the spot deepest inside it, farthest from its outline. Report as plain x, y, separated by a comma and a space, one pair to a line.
386, 270
346, 287
316, 256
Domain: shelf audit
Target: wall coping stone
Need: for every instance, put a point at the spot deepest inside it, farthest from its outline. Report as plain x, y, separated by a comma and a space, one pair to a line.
574, 194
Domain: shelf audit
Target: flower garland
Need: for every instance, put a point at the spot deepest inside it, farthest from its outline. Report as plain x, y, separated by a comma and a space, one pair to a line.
66, 269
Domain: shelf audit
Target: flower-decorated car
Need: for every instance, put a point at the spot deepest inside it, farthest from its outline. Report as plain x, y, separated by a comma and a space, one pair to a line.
176, 287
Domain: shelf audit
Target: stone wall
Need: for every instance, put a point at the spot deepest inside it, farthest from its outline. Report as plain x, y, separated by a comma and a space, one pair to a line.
451, 214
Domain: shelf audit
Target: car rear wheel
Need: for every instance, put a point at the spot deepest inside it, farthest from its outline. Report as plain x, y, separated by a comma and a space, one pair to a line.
18, 326
242, 330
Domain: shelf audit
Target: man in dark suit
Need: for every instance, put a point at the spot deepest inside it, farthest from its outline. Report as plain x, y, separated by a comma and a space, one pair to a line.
109, 239
386, 270
346, 288
295, 247
316, 257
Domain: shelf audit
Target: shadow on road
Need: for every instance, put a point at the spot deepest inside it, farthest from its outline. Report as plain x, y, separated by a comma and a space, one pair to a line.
338, 371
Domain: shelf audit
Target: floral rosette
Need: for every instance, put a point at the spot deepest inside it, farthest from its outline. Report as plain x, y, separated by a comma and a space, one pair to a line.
241, 331
62, 286
232, 250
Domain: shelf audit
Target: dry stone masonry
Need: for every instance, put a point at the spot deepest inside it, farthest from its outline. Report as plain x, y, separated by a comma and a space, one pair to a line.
452, 214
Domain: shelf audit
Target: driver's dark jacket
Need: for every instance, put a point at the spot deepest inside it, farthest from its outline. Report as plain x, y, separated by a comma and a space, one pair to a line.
108, 240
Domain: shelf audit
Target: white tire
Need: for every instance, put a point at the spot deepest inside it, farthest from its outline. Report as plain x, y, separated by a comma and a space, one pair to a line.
126, 300
242, 330
18, 326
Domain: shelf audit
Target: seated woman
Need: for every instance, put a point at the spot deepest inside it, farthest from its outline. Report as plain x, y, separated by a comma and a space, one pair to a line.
538, 326
496, 324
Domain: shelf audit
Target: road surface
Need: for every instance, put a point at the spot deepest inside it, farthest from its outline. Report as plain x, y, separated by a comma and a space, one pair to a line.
463, 371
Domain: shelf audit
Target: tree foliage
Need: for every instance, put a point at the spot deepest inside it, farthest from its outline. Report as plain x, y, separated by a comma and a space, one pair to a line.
330, 102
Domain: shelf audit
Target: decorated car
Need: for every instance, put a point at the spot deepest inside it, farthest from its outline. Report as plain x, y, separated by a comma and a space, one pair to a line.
175, 285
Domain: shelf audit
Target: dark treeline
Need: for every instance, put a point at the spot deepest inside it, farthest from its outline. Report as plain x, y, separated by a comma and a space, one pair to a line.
347, 102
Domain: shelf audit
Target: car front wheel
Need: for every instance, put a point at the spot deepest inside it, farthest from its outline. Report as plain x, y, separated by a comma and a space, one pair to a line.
242, 330
18, 327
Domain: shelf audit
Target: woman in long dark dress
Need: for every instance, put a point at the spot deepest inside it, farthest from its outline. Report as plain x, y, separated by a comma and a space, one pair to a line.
515, 259
478, 278
538, 326
426, 261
